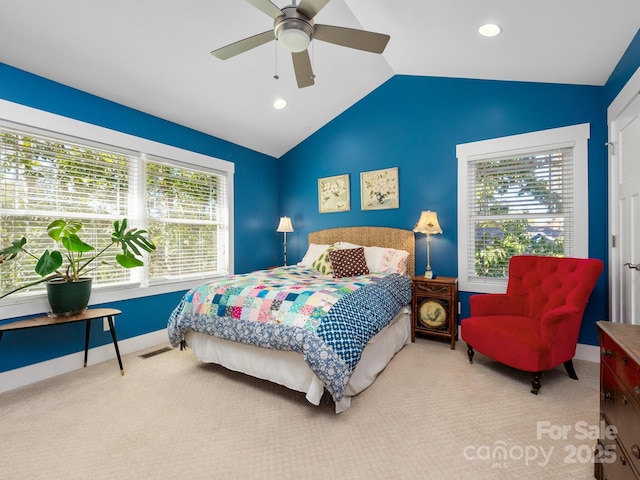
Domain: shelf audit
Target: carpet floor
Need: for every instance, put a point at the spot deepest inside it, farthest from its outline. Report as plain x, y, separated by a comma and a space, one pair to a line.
429, 415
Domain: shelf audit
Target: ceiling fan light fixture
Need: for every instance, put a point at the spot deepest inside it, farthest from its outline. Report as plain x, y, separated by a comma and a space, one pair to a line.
490, 30
294, 40
293, 30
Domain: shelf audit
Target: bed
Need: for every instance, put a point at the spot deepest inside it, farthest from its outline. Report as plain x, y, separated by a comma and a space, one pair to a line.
285, 348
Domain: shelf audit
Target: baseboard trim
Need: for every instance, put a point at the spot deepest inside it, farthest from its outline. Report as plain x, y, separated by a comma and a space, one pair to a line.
20, 377
590, 353
43, 370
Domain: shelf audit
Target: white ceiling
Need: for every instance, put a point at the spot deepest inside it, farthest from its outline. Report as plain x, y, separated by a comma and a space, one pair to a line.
153, 55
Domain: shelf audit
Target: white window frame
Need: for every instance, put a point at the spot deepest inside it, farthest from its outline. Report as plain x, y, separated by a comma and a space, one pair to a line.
576, 136
16, 306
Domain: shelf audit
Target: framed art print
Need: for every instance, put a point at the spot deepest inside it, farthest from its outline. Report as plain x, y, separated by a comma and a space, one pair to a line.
379, 189
334, 194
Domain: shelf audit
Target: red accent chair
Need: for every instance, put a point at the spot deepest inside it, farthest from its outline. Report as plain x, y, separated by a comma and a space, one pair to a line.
534, 326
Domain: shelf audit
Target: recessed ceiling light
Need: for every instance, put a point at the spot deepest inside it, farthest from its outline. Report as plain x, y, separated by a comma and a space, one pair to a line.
280, 103
490, 30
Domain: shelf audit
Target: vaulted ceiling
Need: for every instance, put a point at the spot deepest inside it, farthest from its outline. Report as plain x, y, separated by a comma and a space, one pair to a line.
154, 56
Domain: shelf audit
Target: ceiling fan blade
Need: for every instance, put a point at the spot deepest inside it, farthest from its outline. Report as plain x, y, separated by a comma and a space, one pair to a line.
267, 7
242, 46
349, 37
302, 67
310, 8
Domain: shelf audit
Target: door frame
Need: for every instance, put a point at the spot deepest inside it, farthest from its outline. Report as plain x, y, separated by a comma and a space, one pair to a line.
624, 98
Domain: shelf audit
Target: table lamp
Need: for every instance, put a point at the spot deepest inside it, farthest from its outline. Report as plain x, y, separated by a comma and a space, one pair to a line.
284, 227
428, 224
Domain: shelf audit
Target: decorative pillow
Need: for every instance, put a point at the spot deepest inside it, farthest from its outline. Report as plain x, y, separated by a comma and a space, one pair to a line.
322, 263
377, 257
313, 253
348, 262
398, 263
381, 259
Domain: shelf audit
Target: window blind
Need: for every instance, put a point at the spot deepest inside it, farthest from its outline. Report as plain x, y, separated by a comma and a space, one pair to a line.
187, 217
519, 205
44, 178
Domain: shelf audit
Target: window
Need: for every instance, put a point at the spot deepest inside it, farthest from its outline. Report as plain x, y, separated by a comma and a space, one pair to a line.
42, 179
187, 219
525, 194
98, 176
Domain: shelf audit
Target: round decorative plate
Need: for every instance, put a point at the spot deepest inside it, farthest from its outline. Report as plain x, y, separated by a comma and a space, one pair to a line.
432, 314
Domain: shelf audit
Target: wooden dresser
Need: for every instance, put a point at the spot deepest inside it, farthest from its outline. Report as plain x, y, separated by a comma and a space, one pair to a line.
617, 452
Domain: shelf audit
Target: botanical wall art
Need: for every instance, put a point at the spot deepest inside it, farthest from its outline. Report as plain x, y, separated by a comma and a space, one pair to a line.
334, 194
379, 189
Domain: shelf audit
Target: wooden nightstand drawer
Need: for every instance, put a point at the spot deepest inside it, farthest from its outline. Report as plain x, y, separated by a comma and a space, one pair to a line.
431, 288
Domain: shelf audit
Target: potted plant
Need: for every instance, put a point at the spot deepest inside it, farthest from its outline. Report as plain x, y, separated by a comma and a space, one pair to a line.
68, 289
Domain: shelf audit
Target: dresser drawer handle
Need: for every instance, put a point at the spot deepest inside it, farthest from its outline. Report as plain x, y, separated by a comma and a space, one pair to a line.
606, 396
623, 460
636, 392
607, 353
624, 400
635, 451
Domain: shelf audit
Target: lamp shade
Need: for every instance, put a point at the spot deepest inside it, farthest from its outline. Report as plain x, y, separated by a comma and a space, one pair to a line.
428, 223
285, 225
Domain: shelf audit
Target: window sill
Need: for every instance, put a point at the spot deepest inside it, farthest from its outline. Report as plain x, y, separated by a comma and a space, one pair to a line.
482, 286
21, 307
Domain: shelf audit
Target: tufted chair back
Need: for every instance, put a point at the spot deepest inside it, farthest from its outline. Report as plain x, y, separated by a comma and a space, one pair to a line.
546, 283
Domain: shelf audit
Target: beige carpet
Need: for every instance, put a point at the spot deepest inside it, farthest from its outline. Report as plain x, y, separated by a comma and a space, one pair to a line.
429, 415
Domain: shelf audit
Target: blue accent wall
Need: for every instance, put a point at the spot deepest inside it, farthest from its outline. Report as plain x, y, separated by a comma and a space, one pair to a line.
256, 210
415, 123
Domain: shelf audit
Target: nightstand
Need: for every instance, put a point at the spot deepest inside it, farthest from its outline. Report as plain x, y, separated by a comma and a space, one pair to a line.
435, 308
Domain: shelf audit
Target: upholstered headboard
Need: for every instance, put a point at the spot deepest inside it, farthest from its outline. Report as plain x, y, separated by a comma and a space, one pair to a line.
371, 237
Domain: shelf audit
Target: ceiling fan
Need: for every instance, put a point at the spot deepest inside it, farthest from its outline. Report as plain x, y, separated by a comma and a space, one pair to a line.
294, 29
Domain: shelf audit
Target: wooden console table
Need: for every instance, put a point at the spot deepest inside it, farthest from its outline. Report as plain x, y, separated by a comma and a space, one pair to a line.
86, 316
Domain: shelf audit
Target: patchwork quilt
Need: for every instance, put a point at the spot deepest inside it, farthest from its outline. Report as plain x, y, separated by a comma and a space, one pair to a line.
328, 320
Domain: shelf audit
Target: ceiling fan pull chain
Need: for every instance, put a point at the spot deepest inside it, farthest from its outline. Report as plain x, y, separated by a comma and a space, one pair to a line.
276, 59
313, 60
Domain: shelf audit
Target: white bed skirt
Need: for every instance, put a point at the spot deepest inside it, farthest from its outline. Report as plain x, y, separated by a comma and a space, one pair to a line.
289, 368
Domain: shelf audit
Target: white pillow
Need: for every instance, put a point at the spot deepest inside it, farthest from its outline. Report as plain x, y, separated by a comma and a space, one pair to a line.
313, 253
343, 245
378, 258
398, 262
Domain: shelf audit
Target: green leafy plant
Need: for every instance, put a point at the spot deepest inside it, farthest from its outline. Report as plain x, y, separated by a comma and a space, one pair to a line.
81, 258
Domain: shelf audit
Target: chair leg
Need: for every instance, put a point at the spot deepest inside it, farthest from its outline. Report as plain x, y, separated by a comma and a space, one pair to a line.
470, 353
568, 365
536, 382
